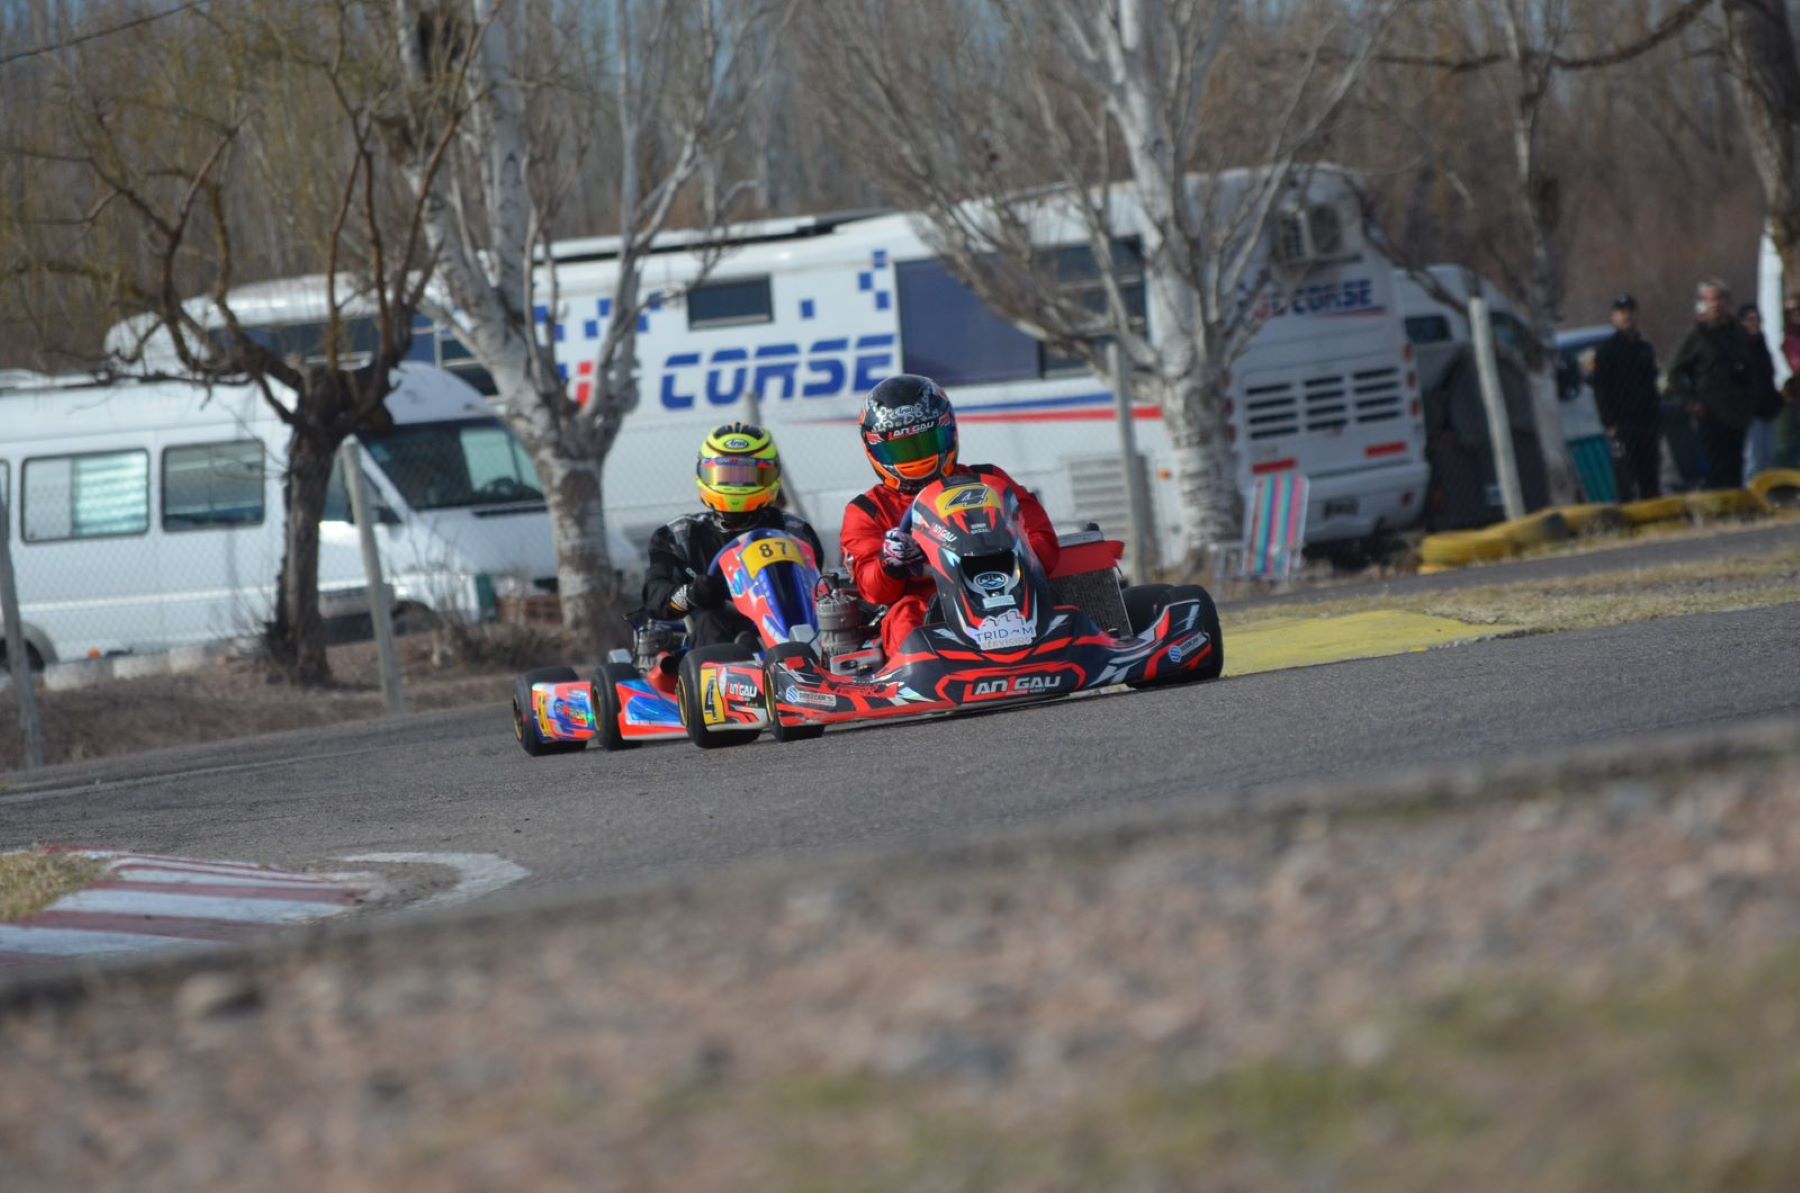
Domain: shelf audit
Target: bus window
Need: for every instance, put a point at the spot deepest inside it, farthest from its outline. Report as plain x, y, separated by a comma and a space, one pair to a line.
1326, 230
90, 496
1078, 279
1427, 329
949, 335
212, 485
730, 304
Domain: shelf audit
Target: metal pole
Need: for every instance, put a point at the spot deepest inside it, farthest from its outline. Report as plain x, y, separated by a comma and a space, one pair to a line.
379, 614
18, 655
1493, 398
1137, 505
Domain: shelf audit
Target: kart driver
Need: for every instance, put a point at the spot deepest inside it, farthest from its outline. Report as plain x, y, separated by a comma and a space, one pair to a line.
909, 433
739, 475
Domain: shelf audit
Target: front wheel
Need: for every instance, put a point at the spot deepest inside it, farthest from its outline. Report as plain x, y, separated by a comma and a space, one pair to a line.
524, 714
1214, 666
772, 673
688, 696
608, 709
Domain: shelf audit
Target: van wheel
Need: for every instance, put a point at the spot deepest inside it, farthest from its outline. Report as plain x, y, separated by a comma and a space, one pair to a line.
608, 707
687, 696
32, 657
525, 728
772, 670
1209, 623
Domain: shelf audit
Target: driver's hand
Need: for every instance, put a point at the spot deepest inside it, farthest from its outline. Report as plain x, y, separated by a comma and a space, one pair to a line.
899, 554
706, 592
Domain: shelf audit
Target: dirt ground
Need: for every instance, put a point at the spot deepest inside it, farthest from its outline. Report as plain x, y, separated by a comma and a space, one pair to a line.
1540, 978
239, 698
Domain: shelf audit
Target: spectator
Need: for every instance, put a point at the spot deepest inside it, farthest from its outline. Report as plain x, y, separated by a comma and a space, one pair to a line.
1759, 439
1625, 392
1714, 377
1787, 426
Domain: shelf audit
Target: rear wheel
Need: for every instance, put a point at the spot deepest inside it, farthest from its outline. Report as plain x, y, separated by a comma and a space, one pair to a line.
772, 672
687, 696
1209, 623
608, 708
525, 727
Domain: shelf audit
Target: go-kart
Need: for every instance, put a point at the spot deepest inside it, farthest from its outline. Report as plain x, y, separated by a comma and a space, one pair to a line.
1001, 632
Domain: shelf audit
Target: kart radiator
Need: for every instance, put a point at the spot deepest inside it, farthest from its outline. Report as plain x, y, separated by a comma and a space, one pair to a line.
1097, 595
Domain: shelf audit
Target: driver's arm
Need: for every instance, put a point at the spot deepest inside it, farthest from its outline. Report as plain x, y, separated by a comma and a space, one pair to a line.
861, 542
667, 571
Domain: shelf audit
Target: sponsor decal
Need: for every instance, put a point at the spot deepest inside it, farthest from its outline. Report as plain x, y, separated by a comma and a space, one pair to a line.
1002, 601
763, 552
712, 705
1019, 685
739, 689
940, 532
1192, 644
992, 581
1001, 631
777, 372
737, 443
794, 694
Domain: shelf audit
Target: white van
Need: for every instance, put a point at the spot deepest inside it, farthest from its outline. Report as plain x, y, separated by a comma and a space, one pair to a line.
145, 515
807, 314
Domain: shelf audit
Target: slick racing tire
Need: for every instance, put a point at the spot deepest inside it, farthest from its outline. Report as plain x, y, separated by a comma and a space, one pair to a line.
525, 721
687, 695
607, 707
1209, 622
772, 670
1144, 603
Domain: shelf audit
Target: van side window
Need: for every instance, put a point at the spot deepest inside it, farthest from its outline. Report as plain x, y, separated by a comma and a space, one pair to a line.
87, 496
212, 485
1427, 329
950, 335
729, 304
1080, 281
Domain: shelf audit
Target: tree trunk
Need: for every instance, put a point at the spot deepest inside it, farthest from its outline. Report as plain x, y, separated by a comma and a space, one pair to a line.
587, 584
297, 637
1766, 76
1212, 506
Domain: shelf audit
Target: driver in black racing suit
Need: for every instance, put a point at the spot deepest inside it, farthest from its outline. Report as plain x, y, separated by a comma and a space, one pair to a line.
739, 475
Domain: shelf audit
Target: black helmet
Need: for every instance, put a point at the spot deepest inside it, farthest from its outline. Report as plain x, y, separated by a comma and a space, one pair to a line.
909, 432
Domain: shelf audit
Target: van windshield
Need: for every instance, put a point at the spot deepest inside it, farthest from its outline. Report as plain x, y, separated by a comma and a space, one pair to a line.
449, 465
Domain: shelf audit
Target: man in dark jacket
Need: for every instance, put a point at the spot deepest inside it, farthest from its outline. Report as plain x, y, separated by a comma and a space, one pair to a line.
1625, 392
1714, 375
739, 476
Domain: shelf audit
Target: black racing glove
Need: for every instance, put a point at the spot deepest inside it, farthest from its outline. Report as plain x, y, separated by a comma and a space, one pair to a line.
706, 592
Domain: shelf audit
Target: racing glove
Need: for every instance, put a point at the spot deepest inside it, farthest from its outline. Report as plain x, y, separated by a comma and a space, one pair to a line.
702, 592
900, 556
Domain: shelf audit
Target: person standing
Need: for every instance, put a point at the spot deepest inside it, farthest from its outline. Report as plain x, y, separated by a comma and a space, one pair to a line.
1714, 377
1625, 392
1787, 426
1759, 439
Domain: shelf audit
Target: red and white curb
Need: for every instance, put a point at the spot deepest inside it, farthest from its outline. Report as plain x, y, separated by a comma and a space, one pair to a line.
147, 903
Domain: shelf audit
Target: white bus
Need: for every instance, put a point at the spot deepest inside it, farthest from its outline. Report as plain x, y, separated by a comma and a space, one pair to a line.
145, 515
808, 314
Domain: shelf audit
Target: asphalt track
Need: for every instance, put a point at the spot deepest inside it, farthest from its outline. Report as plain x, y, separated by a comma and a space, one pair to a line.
455, 781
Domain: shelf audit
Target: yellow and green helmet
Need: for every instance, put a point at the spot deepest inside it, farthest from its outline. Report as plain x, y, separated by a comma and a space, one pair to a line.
739, 469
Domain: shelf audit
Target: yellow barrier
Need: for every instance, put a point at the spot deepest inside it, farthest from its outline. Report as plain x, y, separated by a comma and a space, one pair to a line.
1768, 491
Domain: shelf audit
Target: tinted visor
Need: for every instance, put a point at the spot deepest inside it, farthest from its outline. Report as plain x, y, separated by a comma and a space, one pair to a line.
741, 472
910, 449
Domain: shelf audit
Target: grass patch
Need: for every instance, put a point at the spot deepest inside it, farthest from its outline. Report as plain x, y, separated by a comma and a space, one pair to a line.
1579, 602
32, 881
1690, 1082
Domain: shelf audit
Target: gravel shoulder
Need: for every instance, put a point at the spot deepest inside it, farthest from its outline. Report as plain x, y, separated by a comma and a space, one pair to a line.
1556, 973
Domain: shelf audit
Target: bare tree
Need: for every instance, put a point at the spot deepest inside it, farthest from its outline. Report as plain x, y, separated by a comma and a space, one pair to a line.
146, 169
1130, 113
1762, 59
679, 88
1524, 45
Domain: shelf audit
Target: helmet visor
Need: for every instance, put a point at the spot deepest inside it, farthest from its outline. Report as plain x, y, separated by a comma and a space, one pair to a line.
737, 472
931, 443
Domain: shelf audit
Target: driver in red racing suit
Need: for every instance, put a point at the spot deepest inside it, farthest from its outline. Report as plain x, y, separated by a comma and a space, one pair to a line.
909, 433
